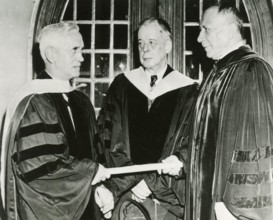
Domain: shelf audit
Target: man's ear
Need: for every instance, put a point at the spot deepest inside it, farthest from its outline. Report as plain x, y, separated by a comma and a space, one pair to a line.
50, 54
168, 46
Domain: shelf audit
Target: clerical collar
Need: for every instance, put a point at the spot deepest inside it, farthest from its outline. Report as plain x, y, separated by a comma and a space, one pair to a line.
235, 47
159, 74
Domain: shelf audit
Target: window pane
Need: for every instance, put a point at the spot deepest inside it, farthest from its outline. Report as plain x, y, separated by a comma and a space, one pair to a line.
85, 30
120, 63
85, 89
192, 67
84, 10
121, 10
101, 65
103, 9
207, 3
102, 36
85, 66
192, 11
104, 28
100, 93
120, 36
68, 15
247, 35
191, 37
232, 2
243, 12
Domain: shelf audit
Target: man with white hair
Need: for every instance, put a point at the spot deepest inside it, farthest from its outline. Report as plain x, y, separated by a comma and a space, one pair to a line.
51, 143
140, 113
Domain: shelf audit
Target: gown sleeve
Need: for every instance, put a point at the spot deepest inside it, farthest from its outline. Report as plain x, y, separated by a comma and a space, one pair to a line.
113, 126
169, 190
245, 141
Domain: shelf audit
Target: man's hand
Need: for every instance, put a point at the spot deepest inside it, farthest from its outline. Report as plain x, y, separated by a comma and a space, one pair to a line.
177, 166
101, 175
140, 192
105, 200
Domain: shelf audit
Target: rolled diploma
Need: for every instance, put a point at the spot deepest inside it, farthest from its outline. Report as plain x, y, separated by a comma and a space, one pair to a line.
143, 168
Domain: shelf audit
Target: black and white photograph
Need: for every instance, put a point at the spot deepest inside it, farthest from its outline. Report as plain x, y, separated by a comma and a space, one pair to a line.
136, 110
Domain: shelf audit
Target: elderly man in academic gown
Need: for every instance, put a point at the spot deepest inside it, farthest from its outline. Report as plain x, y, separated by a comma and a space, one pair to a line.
49, 144
229, 166
139, 115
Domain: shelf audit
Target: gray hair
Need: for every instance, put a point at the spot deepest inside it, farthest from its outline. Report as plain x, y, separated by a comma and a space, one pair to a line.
166, 29
233, 14
51, 34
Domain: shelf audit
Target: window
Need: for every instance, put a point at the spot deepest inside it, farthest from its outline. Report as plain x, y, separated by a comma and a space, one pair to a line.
104, 25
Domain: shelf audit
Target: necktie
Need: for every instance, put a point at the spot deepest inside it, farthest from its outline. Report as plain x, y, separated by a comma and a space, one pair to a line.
153, 80
69, 109
152, 83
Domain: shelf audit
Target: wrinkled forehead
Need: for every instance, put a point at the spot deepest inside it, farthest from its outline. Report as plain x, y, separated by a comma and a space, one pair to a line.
152, 29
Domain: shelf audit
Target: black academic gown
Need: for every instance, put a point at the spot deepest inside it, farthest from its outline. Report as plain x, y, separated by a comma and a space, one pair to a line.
231, 155
135, 135
50, 161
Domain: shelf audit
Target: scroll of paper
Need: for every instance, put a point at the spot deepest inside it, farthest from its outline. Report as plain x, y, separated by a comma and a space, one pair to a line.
143, 168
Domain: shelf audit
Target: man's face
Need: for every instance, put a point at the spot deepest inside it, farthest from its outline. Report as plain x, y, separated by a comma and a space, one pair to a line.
153, 46
214, 34
68, 56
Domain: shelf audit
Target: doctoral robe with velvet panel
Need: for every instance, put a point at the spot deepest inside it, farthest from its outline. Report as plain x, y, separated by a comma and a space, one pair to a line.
231, 159
49, 164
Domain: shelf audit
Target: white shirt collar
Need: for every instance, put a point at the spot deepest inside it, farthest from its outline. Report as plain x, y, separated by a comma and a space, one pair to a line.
159, 74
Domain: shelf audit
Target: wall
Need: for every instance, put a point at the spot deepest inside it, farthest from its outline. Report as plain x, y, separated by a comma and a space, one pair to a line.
15, 65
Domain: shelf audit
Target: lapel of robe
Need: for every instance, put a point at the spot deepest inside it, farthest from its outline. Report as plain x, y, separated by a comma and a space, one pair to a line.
172, 80
64, 116
14, 113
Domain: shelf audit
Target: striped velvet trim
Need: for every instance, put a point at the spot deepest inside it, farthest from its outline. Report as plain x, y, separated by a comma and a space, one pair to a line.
41, 171
38, 128
253, 202
37, 151
254, 155
259, 178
